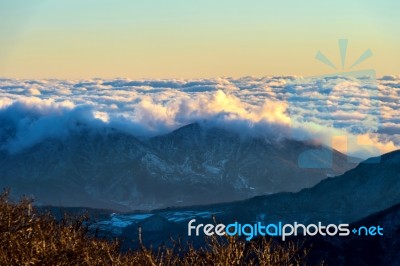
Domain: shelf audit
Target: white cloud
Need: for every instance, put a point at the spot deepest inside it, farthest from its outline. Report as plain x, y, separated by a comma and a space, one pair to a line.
279, 106
33, 91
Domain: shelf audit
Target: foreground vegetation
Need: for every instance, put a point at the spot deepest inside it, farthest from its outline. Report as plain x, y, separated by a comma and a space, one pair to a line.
28, 237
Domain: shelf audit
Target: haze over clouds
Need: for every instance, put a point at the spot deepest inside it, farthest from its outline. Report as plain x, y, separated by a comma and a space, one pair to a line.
275, 107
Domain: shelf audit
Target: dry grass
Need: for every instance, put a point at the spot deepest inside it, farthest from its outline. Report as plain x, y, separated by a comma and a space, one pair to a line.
31, 238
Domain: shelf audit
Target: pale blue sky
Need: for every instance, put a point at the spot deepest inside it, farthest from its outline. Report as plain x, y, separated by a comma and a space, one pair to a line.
87, 38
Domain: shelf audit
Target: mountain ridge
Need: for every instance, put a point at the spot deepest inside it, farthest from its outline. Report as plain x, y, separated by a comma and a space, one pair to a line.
191, 165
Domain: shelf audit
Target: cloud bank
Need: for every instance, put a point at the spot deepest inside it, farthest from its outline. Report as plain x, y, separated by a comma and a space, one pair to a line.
365, 111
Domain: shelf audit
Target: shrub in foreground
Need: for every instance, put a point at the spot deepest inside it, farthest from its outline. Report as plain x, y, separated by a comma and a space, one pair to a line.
28, 237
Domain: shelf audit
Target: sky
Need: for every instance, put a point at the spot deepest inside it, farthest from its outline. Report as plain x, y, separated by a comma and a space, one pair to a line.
79, 39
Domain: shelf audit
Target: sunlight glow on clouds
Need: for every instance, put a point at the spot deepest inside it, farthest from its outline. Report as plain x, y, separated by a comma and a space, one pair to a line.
273, 107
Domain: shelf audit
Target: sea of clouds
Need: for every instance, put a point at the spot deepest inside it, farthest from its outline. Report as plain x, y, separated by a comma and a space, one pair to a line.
364, 111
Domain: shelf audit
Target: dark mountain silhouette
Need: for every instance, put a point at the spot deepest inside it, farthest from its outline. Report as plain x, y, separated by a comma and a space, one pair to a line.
367, 189
191, 165
361, 250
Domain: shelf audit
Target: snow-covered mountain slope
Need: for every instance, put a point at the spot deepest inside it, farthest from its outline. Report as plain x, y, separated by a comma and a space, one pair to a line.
192, 165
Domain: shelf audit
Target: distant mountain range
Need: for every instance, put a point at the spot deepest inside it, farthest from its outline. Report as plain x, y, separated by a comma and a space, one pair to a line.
193, 165
367, 195
363, 191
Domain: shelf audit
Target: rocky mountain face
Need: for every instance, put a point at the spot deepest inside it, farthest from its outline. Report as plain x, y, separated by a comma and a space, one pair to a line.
190, 166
